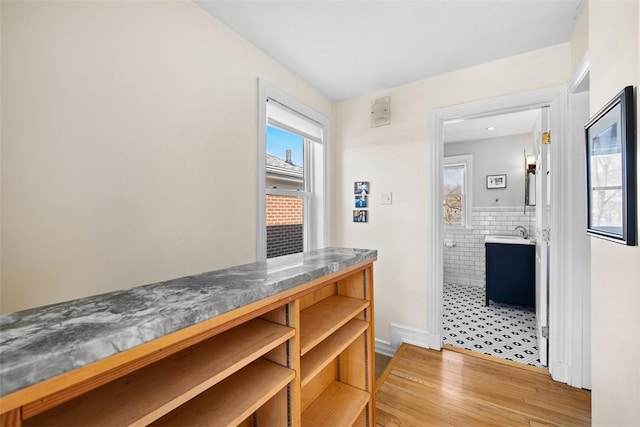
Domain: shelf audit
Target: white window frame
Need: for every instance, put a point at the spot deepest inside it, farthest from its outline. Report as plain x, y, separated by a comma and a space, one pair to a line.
314, 176
467, 193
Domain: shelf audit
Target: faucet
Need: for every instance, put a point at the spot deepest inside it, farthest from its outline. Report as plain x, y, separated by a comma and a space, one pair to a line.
523, 231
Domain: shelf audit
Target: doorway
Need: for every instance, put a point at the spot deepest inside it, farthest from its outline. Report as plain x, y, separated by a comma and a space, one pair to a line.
490, 192
566, 302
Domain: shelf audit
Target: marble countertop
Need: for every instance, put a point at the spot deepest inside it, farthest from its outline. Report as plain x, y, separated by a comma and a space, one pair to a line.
41, 343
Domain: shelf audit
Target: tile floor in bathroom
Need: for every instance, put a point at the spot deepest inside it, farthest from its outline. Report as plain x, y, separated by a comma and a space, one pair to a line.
500, 330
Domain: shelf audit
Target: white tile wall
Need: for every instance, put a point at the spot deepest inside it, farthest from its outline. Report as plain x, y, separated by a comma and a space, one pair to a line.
464, 263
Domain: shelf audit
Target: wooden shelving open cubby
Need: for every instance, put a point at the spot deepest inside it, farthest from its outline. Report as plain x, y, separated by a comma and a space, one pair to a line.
336, 333
234, 399
321, 355
157, 389
324, 318
338, 405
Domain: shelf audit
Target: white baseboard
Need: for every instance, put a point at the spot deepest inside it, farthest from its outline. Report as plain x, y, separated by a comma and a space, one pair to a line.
401, 333
559, 371
406, 334
434, 341
385, 347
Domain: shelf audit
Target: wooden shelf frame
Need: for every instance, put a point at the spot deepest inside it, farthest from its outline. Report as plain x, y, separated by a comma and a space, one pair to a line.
324, 318
339, 405
256, 357
319, 357
336, 341
234, 399
170, 382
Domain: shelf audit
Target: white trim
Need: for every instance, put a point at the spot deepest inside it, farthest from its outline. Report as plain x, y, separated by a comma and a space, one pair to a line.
385, 347
261, 216
435, 262
405, 334
578, 273
287, 193
401, 333
308, 204
560, 310
561, 322
315, 205
560, 372
581, 73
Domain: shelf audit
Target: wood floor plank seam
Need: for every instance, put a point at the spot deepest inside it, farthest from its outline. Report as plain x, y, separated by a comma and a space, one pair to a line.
426, 387
484, 403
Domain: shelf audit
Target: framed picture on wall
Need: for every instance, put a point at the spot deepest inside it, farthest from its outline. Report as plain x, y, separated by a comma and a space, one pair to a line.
360, 216
497, 181
361, 201
611, 171
361, 188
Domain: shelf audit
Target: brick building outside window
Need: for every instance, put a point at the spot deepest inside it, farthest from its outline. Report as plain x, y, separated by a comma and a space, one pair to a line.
285, 229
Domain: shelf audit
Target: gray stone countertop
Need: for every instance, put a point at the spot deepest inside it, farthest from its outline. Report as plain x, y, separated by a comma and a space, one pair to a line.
41, 343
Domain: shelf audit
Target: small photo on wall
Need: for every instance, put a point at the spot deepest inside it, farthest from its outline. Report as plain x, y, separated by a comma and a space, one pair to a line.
497, 181
360, 216
361, 201
361, 187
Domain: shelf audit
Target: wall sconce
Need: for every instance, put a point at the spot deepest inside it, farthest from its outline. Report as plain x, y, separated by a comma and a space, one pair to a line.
529, 179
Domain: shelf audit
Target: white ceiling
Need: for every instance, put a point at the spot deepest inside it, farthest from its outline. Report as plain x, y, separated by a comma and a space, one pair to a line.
351, 48
504, 124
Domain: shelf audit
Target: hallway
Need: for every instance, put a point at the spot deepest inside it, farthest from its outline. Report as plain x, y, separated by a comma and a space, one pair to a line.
423, 387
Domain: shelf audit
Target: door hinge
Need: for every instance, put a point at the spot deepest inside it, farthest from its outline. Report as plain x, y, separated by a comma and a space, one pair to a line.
545, 332
546, 138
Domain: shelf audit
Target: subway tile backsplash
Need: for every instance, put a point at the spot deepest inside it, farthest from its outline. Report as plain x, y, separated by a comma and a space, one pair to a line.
464, 263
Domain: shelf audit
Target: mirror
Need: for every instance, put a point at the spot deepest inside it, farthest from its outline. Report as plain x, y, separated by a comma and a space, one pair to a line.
529, 180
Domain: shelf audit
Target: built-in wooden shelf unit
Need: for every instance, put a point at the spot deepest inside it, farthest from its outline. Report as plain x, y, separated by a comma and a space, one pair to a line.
305, 357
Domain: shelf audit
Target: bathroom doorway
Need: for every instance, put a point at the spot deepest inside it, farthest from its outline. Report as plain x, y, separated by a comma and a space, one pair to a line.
568, 297
495, 185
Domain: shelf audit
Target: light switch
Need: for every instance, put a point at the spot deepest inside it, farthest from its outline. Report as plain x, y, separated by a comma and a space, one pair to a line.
385, 199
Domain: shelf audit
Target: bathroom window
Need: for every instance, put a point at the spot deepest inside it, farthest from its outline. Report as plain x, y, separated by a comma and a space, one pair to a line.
291, 175
456, 194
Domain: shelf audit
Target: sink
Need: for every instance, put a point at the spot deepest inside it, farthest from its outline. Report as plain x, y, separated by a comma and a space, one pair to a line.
509, 240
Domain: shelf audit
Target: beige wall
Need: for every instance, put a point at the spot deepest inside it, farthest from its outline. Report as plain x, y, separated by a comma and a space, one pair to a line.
128, 145
394, 158
580, 39
615, 269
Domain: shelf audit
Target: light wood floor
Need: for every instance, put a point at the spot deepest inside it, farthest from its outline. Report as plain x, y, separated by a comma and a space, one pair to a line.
442, 388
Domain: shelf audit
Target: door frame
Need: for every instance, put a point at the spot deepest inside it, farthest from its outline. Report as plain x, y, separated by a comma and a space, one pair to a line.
562, 316
543, 224
578, 107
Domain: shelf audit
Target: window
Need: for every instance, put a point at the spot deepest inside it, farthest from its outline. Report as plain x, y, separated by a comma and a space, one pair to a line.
287, 193
291, 175
606, 177
456, 200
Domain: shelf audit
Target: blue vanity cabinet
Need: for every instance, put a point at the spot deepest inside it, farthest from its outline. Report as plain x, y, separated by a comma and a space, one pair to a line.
511, 273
